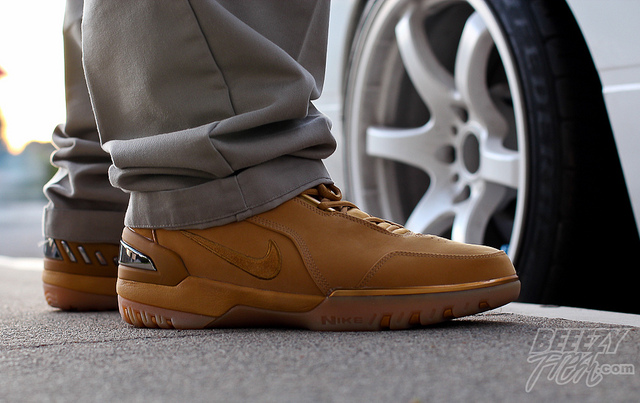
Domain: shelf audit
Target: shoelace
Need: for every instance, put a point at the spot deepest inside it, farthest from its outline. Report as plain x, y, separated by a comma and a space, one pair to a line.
330, 198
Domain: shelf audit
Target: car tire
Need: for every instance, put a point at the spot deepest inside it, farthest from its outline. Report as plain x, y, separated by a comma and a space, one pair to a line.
483, 121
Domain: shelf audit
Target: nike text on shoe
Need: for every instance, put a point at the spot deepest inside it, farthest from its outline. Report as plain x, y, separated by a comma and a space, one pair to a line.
314, 262
80, 276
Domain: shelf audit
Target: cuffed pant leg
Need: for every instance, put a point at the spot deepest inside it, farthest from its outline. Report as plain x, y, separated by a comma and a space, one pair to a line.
205, 106
83, 206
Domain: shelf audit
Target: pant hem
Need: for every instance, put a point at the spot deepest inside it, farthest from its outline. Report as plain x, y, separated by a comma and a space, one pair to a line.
83, 225
224, 201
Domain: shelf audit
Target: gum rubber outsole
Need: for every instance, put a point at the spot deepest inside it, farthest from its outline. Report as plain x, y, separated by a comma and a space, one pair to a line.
342, 313
73, 300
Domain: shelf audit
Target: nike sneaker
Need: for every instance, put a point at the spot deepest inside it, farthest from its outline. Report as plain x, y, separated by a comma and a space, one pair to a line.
314, 262
80, 276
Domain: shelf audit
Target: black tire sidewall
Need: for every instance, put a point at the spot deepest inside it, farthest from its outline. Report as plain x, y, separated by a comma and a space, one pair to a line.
545, 186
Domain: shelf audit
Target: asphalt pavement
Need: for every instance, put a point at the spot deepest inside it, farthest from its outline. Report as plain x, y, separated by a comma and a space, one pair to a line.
520, 353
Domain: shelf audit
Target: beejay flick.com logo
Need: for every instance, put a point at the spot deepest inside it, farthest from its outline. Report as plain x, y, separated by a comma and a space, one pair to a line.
571, 355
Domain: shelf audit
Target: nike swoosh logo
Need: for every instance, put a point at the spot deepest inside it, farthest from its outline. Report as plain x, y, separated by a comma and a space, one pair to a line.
264, 268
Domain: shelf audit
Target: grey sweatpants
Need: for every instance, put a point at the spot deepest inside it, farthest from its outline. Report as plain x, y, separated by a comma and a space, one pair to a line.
204, 108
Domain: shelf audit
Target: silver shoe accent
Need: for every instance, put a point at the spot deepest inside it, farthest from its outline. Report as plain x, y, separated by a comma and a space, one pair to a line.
67, 250
51, 250
84, 254
101, 259
132, 258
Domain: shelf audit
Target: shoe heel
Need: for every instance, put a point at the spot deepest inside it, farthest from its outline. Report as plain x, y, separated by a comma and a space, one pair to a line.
72, 300
142, 315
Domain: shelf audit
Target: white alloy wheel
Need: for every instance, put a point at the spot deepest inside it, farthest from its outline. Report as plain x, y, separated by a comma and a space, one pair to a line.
436, 125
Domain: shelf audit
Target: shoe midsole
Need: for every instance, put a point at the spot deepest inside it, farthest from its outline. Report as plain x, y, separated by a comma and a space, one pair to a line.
78, 282
349, 313
213, 298
430, 289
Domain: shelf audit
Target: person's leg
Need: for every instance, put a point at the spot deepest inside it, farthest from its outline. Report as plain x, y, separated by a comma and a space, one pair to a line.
206, 112
84, 218
205, 106
83, 206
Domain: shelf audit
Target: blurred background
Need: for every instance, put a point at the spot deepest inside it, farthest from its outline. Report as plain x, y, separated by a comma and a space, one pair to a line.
31, 105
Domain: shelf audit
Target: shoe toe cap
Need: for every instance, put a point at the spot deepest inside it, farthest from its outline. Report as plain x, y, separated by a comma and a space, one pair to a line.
451, 264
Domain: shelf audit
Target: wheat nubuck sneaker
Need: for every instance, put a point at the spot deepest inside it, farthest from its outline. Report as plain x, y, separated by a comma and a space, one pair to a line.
80, 276
314, 262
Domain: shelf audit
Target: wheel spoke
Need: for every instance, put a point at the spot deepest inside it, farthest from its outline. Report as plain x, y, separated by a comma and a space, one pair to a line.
415, 146
434, 212
470, 75
472, 215
499, 165
433, 83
